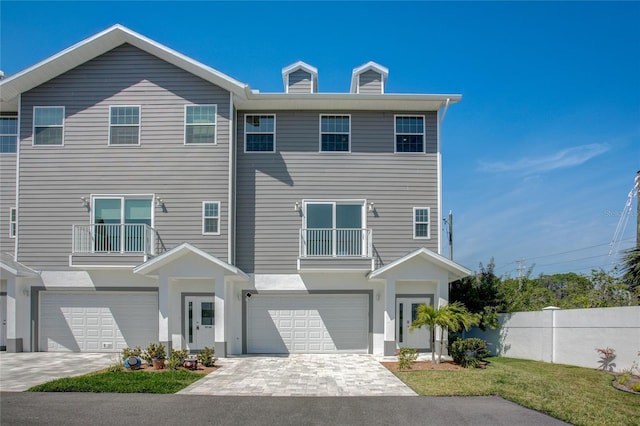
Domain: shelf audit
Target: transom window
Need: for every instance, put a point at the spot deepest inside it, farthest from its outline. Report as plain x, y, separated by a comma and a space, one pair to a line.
8, 134
124, 125
335, 133
409, 132
210, 217
260, 133
200, 124
48, 125
421, 223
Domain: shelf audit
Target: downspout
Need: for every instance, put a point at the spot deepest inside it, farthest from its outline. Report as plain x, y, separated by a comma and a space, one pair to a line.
439, 167
17, 197
231, 227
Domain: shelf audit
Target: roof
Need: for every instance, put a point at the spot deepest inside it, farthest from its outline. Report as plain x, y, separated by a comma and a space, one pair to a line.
299, 66
454, 270
97, 45
384, 71
151, 266
8, 264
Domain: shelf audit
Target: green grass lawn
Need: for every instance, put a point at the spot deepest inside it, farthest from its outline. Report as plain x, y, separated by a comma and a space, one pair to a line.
581, 396
123, 382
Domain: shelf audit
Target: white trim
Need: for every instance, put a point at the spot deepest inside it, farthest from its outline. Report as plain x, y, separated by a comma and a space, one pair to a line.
33, 139
355, 75
204, 232
125, 125
13, 224
455, 270
428, 223
320, 133
214, 124
439, 175
231, 227
14, 117
244, 130
424, 133
313, 73
15, 248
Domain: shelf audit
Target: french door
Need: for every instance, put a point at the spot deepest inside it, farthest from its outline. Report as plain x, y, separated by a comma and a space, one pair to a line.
120, 224
334, 229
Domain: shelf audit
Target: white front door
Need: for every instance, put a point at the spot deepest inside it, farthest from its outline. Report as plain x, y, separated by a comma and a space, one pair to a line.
199, 322
406, 313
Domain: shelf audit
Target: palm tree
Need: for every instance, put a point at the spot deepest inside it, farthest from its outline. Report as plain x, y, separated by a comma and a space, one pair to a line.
453, 317
631, 268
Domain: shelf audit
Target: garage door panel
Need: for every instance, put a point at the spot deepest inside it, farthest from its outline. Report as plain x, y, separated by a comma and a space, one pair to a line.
321, 323
97, 321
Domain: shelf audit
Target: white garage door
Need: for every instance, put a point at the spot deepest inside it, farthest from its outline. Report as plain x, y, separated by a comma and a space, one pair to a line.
97, 321
308, 323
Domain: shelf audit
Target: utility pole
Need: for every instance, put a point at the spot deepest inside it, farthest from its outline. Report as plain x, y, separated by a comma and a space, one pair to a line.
451, 234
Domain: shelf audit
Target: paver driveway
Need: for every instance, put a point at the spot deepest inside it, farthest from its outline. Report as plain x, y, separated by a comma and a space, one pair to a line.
20, 371
300, 375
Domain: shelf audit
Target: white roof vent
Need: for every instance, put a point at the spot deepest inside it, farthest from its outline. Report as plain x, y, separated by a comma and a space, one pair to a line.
369, 78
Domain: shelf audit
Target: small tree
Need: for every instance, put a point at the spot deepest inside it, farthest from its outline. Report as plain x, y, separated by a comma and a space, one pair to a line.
453, 317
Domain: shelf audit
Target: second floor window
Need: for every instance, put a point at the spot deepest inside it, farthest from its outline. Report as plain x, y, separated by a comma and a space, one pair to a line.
8, 134
210, 217
260, 133
12, 222
124, 125
48, 125
409, 133
421, 223
335, 133
200, 124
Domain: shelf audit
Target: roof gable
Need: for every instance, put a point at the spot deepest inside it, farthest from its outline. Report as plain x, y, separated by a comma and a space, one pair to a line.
369, 66
454, 270
98, 44
17, 269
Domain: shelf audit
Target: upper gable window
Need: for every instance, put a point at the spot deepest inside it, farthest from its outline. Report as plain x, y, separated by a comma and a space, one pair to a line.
200, 124
409, 133
48, 125
260, 133
8, 134
124, 125
335, 133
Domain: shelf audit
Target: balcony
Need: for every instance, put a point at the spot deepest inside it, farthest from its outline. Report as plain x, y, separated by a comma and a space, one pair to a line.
114, 244
336, 248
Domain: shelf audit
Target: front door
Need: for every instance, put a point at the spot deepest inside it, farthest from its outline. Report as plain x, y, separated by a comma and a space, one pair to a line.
199, 322
406, 313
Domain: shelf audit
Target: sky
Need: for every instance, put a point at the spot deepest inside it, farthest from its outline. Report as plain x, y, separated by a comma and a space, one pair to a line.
539, 156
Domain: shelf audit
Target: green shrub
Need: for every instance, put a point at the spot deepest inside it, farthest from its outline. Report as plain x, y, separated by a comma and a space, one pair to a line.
469, 353
636, 387
406, 357
114, 368
177, 357
154, 351
206, 358
127, 352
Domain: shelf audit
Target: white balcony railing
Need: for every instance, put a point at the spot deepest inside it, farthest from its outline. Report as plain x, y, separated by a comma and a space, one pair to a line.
336, 242
116, 238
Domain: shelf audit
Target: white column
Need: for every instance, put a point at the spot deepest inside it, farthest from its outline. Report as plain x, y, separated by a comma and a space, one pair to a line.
12, 310
163, 309
390, 317
220, 312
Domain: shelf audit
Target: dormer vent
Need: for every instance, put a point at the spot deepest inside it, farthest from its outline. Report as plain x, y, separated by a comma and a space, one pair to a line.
369, 78
300, 78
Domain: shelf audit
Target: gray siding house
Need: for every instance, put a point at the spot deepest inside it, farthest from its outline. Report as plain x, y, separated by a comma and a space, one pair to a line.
147, 197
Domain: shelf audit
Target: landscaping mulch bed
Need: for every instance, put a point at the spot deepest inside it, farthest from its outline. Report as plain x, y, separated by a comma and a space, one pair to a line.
425, 365
628, 383
149, 369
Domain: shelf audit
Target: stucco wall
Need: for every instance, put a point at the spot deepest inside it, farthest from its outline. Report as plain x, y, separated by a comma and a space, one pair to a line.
567, 336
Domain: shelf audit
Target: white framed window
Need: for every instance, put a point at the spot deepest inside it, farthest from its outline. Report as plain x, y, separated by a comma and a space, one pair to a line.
421, 228
200, 124
259, 133
210, 218
122, 223
335, 133
124, 125
12, 222
409, 133
8, 134
48, 125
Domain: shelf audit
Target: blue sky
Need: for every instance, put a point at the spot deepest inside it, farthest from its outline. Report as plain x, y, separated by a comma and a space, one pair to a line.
539, 156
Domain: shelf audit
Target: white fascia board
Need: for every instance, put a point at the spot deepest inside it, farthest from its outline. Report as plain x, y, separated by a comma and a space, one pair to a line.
99, 44
454, 270
344, 101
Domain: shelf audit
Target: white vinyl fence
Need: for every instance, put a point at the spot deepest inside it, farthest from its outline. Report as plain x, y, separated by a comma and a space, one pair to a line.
567, 336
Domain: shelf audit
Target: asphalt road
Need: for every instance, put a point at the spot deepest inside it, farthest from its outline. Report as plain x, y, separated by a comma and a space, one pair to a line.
27, 408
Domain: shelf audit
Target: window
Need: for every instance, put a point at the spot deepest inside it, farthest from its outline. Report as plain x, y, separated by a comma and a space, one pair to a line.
335, 133
12, 222
8, 134
122, 224
200, 124
409, 133
421, 223
124, 125
211, 218
48, 125
260, 133
334, 229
